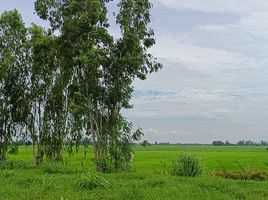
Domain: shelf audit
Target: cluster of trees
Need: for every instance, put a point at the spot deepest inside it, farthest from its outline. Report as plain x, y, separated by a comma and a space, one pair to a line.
71, 80
145, 143
240, 143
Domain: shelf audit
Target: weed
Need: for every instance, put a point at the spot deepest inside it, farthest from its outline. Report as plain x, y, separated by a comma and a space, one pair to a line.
156, 183
186, 165
166, 169
7, 174
13, 164
52, 167
91, 181
132, 191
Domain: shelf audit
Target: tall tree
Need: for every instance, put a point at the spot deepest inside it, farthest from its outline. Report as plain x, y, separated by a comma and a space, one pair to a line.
102, 69
13, 78
43, 74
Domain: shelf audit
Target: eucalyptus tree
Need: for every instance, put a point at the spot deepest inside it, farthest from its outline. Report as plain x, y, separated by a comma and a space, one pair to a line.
99, 70
49, 94
83, 42
41, 74
129, 60
13, 78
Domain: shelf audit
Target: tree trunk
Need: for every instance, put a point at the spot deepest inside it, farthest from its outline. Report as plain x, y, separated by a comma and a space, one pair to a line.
94, 141
3, 151
34, 151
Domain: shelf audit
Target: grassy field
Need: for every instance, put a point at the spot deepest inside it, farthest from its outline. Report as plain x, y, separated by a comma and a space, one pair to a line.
148, 181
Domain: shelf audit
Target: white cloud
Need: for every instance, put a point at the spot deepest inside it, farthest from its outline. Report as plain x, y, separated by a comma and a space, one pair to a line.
197, 57
253, 13
255, 24
214, 82
235, 6
217, 73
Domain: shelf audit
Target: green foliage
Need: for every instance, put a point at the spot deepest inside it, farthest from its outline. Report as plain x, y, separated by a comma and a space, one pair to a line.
96, 75
12, 78
218, 143
50, 167
105, 164
73, 79
13, 150
13, 164
144, 183
91, 181
7, 173
132, 191
157, 183
186, 165
145, 143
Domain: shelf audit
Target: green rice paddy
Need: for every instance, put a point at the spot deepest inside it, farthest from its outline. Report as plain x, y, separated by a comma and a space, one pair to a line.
149, 180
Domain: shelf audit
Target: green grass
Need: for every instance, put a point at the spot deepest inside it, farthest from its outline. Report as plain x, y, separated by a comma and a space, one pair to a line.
148, 181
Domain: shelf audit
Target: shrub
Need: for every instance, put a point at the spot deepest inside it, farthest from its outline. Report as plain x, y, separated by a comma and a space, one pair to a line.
156, 183
8, 174
165, 167
249, 174
132, 191
186, 165
104, 164
50, 167
91, 181
13, 164
14, 150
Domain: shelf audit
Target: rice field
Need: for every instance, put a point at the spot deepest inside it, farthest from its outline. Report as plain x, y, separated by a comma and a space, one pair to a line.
149, 180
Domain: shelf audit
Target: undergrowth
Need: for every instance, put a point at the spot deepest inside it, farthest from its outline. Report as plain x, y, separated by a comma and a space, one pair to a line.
186, 165
248, 174
91, 181
13, 164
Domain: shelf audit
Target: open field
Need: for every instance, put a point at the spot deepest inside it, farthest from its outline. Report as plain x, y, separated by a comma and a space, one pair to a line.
148, 181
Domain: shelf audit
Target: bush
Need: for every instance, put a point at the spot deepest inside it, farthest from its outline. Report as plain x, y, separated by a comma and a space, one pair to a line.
249, 174
13, 164
14, 150
8, 173
91, 181
186, 165
50, 167
105, 164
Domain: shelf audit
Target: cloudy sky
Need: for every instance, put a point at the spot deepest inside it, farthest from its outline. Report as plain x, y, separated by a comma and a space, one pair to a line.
214, 84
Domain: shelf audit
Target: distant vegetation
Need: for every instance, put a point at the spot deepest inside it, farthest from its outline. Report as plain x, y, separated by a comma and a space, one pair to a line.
240, 143
145, 143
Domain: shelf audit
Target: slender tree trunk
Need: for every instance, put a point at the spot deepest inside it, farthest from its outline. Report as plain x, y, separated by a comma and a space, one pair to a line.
3, 149
40, 150
34, 151
4, 140
94, 141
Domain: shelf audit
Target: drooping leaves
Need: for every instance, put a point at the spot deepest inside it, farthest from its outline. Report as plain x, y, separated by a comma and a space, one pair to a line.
76, 77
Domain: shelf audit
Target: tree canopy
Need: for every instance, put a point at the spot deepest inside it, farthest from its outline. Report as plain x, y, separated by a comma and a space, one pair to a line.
72, 80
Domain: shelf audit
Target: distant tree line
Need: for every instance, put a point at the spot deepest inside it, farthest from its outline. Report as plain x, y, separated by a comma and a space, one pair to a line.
214, 143
240, 143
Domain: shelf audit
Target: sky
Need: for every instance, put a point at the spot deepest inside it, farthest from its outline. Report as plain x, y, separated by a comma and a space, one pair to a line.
214, 84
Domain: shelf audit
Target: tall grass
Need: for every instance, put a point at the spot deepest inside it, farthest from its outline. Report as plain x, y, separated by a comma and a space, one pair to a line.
91, 181
186, 165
